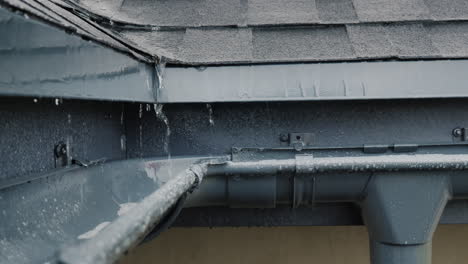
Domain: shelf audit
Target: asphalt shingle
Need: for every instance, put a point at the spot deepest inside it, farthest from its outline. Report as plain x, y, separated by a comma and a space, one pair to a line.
370, 40
391, 10
392, 40
257, 31
163, 43
308, 43
183, 12
281, 12
191, 13
448, 9
451, 39
336, 11
411, 40
217, 45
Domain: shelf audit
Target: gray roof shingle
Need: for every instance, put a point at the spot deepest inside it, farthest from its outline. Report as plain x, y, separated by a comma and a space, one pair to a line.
163, 43
336, 11
451, 39
370, 40
309, 43
184, 13
391, 10
395, 40
259, 31
251, 31
260, 12
189, 13
448, 9
299, 44
411, 40
207, 45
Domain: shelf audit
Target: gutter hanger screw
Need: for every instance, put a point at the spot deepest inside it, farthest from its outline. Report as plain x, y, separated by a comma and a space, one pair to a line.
284, 138
457, 132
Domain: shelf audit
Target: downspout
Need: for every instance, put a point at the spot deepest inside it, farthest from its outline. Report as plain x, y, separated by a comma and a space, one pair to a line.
402, 197
401, 212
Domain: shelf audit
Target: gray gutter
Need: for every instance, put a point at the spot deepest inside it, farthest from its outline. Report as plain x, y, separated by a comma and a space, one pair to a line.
93, 226
126, 231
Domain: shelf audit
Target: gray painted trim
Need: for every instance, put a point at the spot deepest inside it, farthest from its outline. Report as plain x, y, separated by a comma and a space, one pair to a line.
37, 59
330, 81
40, 60
135, 85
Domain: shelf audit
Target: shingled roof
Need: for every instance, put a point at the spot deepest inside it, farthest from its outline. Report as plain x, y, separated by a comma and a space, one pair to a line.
258, 31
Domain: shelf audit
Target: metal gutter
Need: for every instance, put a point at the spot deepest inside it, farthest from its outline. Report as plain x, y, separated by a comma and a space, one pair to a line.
393, 180
310, 164
125, 232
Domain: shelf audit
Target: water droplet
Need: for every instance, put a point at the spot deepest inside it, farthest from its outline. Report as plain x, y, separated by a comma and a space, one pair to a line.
141, 140
140, 111
160, 68
160, 115
158, 109
123, 143
210, 114
122, 116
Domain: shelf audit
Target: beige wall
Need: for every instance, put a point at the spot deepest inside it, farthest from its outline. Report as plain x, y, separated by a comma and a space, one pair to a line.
329, 245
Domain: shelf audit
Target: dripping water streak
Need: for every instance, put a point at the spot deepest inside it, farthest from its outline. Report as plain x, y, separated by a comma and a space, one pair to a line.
140, 115
160, 115
122, 116
141, 140
210, 114
69, 142
158, 109
159, 85
140, 111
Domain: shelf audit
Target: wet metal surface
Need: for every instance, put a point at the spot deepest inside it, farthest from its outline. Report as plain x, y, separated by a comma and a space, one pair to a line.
325, 81
38, 59
62, 208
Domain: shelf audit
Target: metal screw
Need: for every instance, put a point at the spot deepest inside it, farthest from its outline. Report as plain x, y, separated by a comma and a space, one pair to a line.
60, 149
457, 132
284, 137
298, 146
